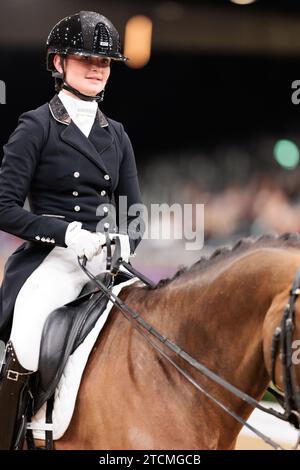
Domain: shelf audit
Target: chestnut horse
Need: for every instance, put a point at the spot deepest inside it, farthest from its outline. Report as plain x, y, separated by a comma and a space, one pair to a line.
223, 311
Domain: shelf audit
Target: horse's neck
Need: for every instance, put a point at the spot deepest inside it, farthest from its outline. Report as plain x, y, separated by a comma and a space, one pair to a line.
217, 316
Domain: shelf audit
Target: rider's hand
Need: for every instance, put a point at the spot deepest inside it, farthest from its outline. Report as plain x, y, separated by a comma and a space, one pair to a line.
83, 242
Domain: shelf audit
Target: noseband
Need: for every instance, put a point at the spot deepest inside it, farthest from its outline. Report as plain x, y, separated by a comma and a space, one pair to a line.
282, 345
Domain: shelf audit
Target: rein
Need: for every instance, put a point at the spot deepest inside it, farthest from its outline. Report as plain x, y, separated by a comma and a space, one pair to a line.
142, 327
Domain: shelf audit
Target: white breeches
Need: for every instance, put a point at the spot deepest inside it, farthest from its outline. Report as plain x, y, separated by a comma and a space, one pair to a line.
56, 281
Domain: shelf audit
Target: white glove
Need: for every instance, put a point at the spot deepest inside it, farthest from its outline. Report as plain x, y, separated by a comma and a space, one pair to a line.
83, 242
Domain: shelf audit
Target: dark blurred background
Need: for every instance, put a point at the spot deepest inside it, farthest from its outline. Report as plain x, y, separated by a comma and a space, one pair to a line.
210, 115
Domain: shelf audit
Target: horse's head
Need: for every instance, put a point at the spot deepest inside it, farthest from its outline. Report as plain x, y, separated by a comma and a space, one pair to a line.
281, 341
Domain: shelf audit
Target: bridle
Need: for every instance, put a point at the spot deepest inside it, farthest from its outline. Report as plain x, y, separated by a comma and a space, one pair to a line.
282, 343
284, 337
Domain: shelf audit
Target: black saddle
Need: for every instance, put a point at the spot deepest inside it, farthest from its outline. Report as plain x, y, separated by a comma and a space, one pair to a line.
65, 329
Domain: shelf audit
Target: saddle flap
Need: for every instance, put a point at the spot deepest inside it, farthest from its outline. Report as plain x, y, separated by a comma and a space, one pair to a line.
64, 330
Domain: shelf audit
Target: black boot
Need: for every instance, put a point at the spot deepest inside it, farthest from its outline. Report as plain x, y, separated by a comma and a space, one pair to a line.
14, 399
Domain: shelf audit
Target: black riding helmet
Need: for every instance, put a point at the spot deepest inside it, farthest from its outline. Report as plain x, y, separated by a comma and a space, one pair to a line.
86, 33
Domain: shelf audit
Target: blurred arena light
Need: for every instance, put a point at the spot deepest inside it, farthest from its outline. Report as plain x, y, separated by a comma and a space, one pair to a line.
242, 2
138, 36
286, 153
169, 11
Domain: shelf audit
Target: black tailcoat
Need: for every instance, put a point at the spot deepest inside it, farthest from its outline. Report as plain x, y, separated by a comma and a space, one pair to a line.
66, 176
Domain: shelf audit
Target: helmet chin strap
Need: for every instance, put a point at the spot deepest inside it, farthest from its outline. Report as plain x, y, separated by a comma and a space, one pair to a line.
73, 90
80, 95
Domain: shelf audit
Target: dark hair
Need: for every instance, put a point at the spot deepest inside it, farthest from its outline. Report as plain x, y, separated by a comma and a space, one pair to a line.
58, 84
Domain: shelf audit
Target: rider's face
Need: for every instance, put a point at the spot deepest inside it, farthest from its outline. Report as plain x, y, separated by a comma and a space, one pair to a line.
88, 74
